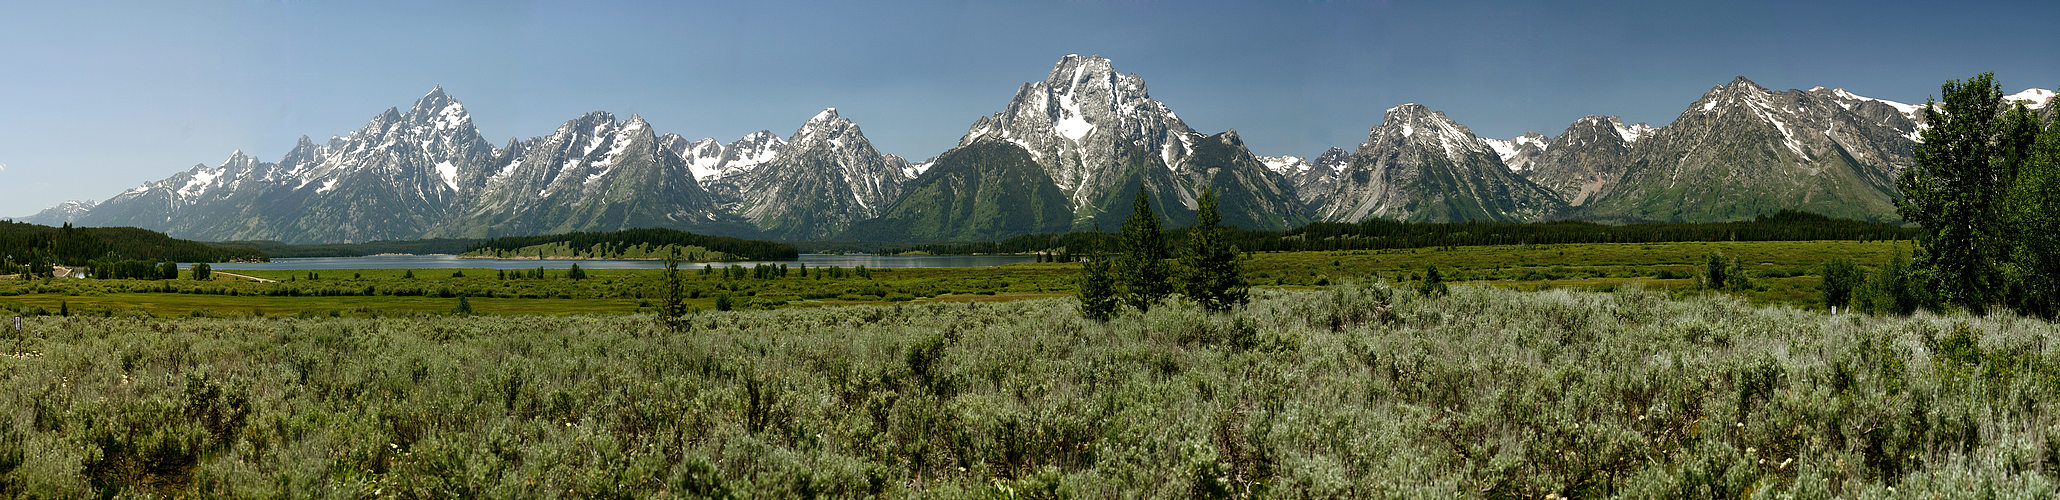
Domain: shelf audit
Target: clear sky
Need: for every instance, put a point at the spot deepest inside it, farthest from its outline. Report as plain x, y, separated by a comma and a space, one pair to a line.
97, 98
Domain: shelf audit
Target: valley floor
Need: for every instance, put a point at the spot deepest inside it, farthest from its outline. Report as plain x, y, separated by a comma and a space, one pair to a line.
1353, 390
1783, 273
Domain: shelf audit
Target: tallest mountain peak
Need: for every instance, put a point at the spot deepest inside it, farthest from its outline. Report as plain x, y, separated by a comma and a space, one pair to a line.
1075, 66
827, 115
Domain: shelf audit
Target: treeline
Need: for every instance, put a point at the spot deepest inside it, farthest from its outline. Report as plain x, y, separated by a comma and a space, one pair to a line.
1379, 234
417, 247
36, 248
737, 247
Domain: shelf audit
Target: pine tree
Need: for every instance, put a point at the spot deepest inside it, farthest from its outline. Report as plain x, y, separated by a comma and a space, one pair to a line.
1143, 270
1954, 189
1209, 267
1433, 283
675, 311
1098, 299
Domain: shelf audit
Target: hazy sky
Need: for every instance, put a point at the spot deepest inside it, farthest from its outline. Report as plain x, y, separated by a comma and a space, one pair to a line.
97, 98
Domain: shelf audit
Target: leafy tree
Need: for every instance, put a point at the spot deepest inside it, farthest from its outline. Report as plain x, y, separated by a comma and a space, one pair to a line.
1209, 267
464, 306
1098, 300
1143, 270
723, 302
576, 273
1956, 187
1841, 278
201, 271
1893, 288
2034, 213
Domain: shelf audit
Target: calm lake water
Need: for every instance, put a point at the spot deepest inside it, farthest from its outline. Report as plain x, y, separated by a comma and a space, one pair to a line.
453, 262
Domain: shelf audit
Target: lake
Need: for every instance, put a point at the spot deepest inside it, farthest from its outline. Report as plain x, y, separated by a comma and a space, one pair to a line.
453, 262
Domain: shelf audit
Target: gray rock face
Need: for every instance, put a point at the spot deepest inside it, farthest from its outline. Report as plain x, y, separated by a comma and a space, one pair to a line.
1074, 122
1310, 180
1587, 158
394, 178
1742, 150
595, 173
826, 177
1521, 152
1100, 136
1418, 165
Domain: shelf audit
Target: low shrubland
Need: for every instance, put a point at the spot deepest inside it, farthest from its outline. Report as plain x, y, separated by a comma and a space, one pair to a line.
1361, 390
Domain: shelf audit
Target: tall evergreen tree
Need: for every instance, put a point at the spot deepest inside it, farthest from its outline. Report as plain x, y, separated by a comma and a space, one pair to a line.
1098, 300
1209, 268
1143, 270
675, 311
1954, 189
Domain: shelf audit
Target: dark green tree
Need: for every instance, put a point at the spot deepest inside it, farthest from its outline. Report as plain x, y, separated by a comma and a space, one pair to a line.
1715, 274
1433, 282
1954, 190
1841, 278
1143, 271
1209, 267
2034, 213
674, 312
576, 273
464, 306
201, 271
1098, 300
1893, 289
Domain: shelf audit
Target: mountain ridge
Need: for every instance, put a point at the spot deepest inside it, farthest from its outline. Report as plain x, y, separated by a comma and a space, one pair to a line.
1098, 136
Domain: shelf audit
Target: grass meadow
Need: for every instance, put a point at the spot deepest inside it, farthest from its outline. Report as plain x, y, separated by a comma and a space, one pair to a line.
1350, 390
1783, 272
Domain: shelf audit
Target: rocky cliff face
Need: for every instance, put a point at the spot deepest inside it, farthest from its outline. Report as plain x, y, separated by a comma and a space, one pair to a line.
1742, 150
1418, 165
827, 177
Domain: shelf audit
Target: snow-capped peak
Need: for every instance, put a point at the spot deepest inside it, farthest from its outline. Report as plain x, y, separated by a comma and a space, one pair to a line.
827, 115
1909, 110
1285, 164
2033, 98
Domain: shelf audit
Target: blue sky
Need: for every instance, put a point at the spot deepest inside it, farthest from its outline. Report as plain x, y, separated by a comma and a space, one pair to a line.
98, 98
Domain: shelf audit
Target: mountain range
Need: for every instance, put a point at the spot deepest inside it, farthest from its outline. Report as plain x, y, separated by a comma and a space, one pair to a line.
1067, 153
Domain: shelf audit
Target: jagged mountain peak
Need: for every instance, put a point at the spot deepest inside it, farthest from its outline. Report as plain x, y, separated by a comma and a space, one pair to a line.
1334, 156
1743, 83
1416, 122
827, 115
1230, 138
239, 161
826, 129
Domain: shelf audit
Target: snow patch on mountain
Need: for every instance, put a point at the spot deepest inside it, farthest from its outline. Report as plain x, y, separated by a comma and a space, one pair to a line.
449, 173
2034, 98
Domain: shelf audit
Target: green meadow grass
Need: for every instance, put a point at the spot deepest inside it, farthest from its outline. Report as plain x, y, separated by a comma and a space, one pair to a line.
1784, 272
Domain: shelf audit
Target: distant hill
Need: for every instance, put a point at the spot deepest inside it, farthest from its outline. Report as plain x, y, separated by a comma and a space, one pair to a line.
632, 244
24, 244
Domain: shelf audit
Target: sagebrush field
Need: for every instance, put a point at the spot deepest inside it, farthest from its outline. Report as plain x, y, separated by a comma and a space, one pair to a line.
1355, 390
